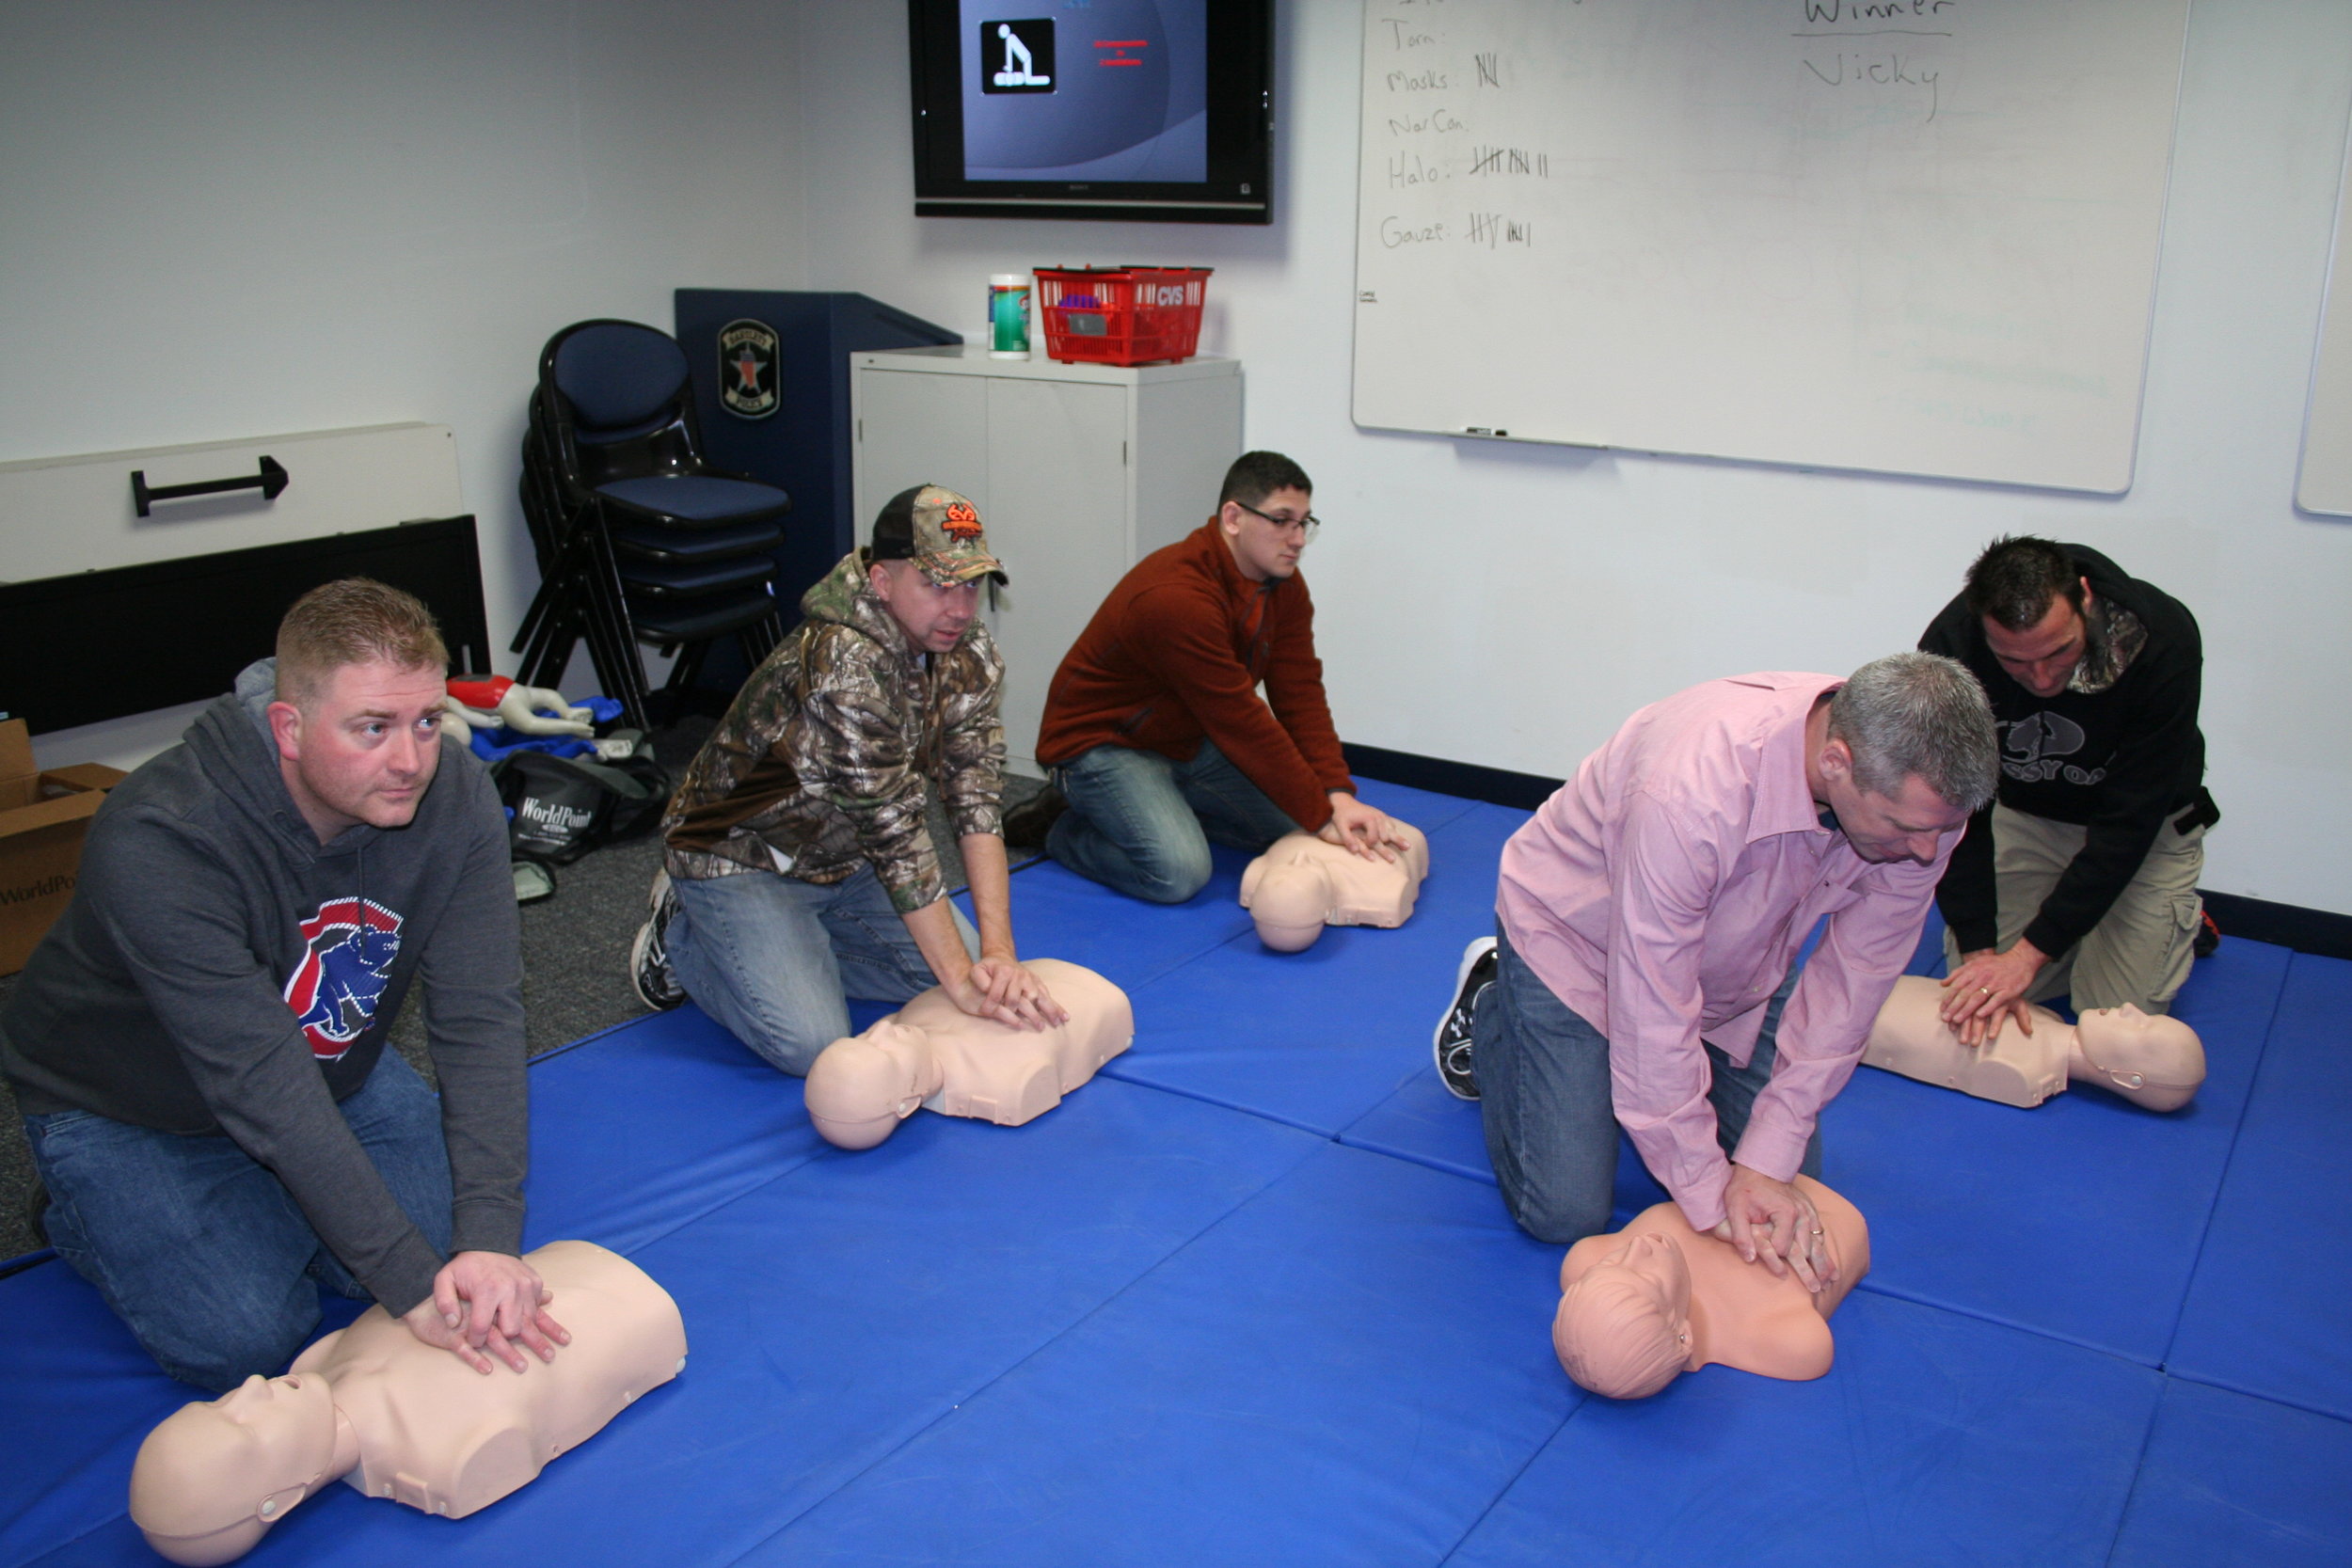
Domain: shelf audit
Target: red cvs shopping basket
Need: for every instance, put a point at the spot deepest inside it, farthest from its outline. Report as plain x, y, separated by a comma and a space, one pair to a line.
1121, 315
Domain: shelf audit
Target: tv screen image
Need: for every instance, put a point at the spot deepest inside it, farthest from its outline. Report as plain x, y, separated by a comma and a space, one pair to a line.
1093, 108
1125, 97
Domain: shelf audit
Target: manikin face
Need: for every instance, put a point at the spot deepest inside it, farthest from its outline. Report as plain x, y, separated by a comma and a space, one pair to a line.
2041, 658
1624, 1328
238, 1464
862, 1088
1655, 1268
2136, 1051
1268, 545
365, 748
1908, 826
934, 617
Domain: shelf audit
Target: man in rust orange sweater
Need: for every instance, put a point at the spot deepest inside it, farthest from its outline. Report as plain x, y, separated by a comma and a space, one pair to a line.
1155, 730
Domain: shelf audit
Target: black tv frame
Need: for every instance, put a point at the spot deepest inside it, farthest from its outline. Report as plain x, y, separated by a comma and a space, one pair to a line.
106, 644
1240, 184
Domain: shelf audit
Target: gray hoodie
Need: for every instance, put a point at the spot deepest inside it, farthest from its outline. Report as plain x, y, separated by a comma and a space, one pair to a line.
219, 971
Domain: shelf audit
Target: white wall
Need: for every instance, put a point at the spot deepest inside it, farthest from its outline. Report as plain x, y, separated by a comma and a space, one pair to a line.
1508, 605
241, 218
237, 219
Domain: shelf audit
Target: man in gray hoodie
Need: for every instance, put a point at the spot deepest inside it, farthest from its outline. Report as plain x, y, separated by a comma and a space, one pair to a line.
198, 1045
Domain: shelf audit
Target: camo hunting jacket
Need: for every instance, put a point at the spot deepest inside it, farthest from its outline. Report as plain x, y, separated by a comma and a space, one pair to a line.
826, 759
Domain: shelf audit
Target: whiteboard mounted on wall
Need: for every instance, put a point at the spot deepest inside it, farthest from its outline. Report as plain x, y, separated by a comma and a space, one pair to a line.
1916, 237
2324, 483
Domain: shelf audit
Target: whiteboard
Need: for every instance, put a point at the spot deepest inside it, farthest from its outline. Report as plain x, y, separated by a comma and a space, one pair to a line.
2326, 480
1917, 237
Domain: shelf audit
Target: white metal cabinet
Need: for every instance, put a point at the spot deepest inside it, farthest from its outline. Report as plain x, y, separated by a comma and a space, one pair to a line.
1078, 470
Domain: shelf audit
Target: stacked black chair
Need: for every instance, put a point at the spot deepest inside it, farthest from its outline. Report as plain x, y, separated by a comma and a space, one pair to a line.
639, 540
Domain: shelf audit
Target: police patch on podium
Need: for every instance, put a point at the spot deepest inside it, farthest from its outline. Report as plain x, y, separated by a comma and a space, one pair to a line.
747, 368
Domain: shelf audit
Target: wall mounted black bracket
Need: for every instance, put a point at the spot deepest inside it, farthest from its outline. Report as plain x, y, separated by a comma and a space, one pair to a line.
270, 482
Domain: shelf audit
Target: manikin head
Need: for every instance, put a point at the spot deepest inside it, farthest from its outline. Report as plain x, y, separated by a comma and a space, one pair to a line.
1624, 1327
862, 1088
2152, 1061
1291, 903
213, 1477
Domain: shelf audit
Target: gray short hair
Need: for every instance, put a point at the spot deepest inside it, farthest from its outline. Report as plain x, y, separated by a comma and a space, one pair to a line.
1919, 714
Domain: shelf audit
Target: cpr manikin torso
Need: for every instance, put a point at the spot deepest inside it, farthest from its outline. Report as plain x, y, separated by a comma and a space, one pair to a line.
395, 1418
931, 1054
1657, 1299
1303, 883
2154, 1062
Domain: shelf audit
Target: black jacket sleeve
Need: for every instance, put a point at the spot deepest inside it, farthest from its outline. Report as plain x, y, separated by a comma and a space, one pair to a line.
2143, 784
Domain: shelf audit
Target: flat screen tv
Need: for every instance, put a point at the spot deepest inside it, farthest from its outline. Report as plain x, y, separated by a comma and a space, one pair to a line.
1153, 109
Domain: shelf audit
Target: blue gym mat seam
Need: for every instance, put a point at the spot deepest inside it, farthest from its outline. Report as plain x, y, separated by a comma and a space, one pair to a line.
2336, 1416
1504, 1490
33, 1561
1978, 1315
2140, 1472
2238, 1129
1041, 1348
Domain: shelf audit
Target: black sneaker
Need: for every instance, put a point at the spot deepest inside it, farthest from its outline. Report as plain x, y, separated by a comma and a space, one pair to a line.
649, 971
1453, 1042
2208, 937
1026, 824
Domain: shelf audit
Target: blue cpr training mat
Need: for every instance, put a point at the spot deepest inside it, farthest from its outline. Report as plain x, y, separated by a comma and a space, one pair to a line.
1251, 1296
2267, 1311
1989, 1209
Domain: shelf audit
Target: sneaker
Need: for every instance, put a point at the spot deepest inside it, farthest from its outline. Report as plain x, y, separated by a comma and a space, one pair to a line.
1026, 824
2208, 937
1453, 1043
649, 971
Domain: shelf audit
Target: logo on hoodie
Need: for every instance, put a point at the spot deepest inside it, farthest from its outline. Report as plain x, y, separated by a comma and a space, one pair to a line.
350, 947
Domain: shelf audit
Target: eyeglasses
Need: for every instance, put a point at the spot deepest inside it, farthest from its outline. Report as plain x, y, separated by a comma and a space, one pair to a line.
1306, 526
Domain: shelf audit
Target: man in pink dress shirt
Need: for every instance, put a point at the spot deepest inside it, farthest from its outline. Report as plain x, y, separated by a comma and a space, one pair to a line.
1647, 918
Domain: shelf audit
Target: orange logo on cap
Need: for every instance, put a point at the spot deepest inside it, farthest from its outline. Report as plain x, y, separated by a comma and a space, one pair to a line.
961, 520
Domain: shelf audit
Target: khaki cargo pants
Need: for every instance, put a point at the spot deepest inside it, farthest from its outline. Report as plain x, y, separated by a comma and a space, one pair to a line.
2140, 953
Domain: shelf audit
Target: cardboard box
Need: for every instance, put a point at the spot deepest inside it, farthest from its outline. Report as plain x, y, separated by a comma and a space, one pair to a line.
42, 818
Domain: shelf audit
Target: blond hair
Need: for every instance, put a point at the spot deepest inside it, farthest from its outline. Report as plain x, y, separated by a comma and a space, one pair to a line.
351, 621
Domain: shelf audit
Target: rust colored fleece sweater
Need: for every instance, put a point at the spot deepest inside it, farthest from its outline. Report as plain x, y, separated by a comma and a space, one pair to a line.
1175, 655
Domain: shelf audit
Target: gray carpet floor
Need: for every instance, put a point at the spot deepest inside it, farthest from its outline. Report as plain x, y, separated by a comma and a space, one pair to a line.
574, 967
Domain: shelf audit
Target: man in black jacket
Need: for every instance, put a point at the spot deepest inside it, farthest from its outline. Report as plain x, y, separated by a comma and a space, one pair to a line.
198, 1045
2082, 876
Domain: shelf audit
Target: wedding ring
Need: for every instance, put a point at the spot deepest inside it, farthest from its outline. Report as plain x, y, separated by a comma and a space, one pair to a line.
1816, 1230
1984, 991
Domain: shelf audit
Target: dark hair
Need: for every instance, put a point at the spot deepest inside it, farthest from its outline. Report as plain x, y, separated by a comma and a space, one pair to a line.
1256, 475
2017, 576
1919, 714
351, 621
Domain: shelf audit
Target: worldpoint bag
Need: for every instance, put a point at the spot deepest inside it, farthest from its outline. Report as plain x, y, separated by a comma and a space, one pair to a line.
560, 808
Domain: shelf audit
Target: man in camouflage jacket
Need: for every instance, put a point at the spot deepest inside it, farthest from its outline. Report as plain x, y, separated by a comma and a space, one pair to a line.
797, 861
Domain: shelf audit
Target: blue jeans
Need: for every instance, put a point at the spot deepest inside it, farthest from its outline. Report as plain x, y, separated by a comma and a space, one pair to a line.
1141, 825
203, 1252
1544, 1095
771, 957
